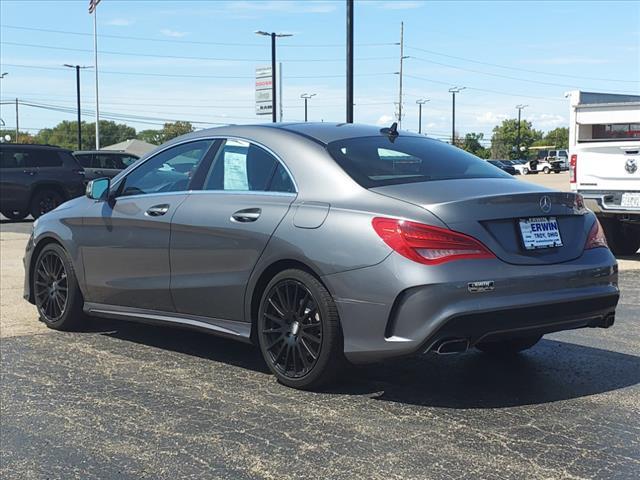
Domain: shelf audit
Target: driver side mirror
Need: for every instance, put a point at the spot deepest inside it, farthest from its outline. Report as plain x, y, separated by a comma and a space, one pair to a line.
98, 189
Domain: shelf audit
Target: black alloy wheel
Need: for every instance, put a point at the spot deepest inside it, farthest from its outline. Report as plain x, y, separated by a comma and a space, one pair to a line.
298, 330
51, 287
292, 328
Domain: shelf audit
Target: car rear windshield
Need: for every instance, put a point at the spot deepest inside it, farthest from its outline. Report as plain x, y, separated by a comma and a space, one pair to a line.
381, 160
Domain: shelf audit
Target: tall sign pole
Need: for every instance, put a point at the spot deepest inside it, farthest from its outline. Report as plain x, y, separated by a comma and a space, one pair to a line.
400, 85
349, 61
93, 4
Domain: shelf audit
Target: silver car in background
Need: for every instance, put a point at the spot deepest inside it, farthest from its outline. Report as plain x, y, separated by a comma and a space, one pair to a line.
325, 243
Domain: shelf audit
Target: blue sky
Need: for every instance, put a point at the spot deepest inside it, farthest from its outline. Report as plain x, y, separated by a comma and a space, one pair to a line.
505, 53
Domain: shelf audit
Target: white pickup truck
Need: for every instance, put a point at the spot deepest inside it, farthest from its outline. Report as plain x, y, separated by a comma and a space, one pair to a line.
604, 163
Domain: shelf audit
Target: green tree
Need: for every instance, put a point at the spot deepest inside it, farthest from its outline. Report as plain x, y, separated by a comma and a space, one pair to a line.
175, 129
558, 137
151, 136
471, 144
23, 137
505, 138
65, 134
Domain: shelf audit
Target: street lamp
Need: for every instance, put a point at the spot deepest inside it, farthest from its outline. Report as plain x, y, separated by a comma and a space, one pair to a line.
306, 97
5, 73
420, 102
453, 91
273, 36
78, 67
520, 108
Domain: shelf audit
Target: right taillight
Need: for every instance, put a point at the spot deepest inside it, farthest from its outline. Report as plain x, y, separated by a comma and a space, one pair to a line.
427, 244
596, 238
573, 168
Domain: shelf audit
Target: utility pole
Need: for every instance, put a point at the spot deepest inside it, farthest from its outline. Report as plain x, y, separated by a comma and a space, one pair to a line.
17, 129
280, 89
306, 97
273, 35
402, 57
349, 61
420, 102
453, 91
95, 55
520, 108
78, 67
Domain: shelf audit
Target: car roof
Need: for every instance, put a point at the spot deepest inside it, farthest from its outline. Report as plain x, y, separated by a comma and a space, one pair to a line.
106, 152
319, 132
42, 146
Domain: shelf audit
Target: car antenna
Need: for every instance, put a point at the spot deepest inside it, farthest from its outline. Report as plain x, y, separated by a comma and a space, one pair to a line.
392, 131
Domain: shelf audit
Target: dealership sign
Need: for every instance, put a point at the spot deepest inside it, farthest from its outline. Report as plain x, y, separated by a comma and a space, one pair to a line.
264, 92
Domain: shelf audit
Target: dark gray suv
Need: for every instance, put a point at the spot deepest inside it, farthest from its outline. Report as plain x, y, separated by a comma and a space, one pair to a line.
35, 179
101, 163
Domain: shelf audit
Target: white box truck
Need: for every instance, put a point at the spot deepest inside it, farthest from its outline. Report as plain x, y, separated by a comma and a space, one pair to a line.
604, 162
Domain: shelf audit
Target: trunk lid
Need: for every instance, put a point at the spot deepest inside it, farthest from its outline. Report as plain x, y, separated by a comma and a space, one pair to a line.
489, 209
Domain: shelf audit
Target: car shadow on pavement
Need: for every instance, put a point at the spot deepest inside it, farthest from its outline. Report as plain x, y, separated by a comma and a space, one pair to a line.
185, 341
551, 371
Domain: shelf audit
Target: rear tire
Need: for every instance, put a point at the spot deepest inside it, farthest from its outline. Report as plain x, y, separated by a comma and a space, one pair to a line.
299, 331
622, 239
44, 201
508, 347
55, 289
14, 214
525, 171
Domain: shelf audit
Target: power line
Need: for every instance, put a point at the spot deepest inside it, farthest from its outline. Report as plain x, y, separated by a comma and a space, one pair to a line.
554, 74
192, 42
184, 57
485, 89
505, 76
171, 75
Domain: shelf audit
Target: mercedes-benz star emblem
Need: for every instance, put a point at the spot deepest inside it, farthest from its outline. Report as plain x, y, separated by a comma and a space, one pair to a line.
631, 166
545, 204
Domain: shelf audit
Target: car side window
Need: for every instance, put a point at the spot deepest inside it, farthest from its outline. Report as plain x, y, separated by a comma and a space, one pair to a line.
127, 160
169, 171
43, 159
85, 160
10, 158
107, 162
243, 166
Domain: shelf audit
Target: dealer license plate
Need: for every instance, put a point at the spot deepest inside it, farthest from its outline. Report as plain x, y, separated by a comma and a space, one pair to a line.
540, 232
630, 200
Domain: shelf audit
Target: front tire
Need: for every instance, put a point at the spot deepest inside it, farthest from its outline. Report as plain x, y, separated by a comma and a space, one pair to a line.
525, 171
508, 347
55, 289
546, 170
44, 201
298, 330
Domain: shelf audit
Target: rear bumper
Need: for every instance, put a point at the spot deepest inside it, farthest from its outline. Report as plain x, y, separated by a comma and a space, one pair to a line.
607, 203
401, 308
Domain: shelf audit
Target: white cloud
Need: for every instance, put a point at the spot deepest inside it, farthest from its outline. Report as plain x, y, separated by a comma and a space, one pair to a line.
173, 33
120, 22
548, 121
318, 6
491, 118
385, 120
401, 5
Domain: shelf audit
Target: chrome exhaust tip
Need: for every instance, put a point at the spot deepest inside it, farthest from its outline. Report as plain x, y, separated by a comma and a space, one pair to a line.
456, 345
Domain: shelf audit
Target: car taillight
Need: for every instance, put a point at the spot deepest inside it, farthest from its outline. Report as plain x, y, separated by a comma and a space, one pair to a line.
596, 238
426, 244
573, 168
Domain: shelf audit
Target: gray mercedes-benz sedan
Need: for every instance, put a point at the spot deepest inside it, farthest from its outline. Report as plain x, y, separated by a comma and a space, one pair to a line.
325, 243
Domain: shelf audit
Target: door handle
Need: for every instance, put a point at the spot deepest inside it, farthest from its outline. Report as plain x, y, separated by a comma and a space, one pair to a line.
157, 210
246, 215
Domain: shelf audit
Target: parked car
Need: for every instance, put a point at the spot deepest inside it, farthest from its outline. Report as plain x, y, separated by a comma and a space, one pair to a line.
504, 166
35, 179
322, 243
103, 163
520, 166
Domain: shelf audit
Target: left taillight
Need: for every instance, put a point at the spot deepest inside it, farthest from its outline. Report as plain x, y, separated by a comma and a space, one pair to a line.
427, 244
596, 238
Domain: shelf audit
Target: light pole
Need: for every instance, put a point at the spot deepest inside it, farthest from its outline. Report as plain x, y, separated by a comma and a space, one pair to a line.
273, 36
520, 108
78, 67
453, 91
349, 43
306, 97
1, 77
420, 102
